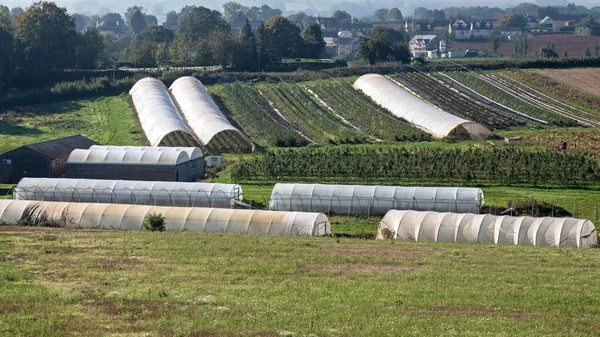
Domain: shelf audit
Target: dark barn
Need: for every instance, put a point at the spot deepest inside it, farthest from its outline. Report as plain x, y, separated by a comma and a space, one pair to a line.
134, 165
40, 160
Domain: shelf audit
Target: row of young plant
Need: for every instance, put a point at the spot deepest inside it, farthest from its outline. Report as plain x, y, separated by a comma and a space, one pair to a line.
254, 115
453, 102
361, 111
473, 81
306, 115
393, 165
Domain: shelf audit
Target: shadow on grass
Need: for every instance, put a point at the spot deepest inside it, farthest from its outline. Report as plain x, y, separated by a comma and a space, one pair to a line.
16, 130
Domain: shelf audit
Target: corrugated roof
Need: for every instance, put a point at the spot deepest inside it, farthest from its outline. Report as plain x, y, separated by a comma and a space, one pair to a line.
61, 147
128, 157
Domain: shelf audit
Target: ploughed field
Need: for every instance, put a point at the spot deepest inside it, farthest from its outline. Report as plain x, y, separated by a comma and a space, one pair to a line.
57, 282
587, 79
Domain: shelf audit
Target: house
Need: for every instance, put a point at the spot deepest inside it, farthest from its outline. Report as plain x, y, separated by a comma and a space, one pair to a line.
481, 30
40, 160
531, 22
346, 43
333, 25
460, 28
421, 27
397, 25
113, 26
547, 23
510, 33
421, 44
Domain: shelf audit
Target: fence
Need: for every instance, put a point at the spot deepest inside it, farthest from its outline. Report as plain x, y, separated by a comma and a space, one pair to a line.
162, 197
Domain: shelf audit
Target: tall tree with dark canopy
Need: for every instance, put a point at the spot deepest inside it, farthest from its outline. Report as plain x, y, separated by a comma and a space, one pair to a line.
247, 56
150, 46
90, 45
172, 21
395, 15
200, 21
312, 37
342, 16
138, 23
81, 22
281, 39
384, 44
45, 35
6, 41
131, 11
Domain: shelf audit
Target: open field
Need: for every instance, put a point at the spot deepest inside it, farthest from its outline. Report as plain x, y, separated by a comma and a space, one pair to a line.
57, 282
107, 120
587, 79
574, 45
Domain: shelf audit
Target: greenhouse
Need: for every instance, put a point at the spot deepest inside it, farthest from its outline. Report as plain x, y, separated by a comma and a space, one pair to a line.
201, 112
405, 105
134, 165
487, 228
156, 111
359, 199
157, 193
193, 152
131, 217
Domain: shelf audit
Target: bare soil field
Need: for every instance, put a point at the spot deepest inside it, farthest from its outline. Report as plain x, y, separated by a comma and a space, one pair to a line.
587, 79
574, 45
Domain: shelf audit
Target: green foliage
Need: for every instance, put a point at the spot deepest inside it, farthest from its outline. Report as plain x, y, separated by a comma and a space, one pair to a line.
154, 222
199, 22
550, 51
388, 234
90, 46
246, 57
384, 44
395, 15
505, 165
312, 37
342, 16
138, 22
512, 20
279, 39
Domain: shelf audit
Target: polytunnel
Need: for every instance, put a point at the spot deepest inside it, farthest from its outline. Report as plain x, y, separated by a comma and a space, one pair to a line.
201, 112
193, 152
403, 104
360, 199
487, 228
128, 157
157, 193
131, 217
156, 110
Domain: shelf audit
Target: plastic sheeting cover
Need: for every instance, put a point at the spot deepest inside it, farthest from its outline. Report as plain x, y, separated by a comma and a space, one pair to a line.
131, 217
128, 157
156, 110
413, 109
359, 199
487, 228
157, 193
199, 109
193, 152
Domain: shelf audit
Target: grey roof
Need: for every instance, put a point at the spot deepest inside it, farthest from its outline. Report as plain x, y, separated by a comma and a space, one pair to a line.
423, 37
61, 147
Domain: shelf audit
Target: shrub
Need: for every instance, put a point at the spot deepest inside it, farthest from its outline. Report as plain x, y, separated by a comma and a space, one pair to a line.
154, 222
388, 233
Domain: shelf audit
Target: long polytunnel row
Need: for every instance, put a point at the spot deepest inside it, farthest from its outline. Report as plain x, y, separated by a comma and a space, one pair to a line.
188, 109
131, 217
423, 115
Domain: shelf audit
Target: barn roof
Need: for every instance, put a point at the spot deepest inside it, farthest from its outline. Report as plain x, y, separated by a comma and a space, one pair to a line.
60, 147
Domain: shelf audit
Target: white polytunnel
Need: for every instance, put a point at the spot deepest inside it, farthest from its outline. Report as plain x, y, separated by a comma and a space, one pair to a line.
193, 152
360, 199
131, 217
403, 104
157, 193
156, 110
487, 228
128, 157
200, 111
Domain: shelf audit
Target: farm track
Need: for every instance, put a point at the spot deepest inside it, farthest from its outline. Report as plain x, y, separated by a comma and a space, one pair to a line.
533, 96
452, 101
366, 115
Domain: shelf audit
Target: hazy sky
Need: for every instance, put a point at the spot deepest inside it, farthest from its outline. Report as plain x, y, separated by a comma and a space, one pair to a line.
357, 8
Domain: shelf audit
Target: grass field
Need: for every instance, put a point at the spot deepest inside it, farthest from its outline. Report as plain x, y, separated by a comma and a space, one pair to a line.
107, 120
57, 282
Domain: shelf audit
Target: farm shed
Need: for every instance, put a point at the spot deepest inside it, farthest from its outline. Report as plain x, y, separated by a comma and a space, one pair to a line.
403, 104
44, 159
156, 193
157, 112
487, 228
359, 199
194, 219
134, 165
203, 115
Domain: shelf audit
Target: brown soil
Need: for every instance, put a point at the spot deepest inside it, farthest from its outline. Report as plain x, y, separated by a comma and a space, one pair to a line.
587, 79
348, 268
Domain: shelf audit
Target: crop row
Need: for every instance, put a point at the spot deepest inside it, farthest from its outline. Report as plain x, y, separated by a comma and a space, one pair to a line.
507, 165
361, 111
482, 86
306, 115
451, 101
257, 119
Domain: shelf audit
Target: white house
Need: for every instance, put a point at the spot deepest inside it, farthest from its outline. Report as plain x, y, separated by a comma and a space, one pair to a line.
481, 30
460, 29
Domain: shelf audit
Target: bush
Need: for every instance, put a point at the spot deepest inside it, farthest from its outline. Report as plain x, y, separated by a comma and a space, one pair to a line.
388, 234
154, 222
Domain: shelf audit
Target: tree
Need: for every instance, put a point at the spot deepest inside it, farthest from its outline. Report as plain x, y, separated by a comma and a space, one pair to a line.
113, 19
234, 12
588, 26
137, 22
395, 15
45, 35
6, 41
90, 46
496, 40
549, 51
93, 21
281, 39
150, 47
548, 11
438, 15
422, 13
525, 8
381, 14
81, 22
342, 16
247, 57
300, 17
222, 46
131, 11
384, 44
172, 21
267, 12
512, 20
151, 20
199, 22
312, 37
16, 12
157, 34
521, 45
